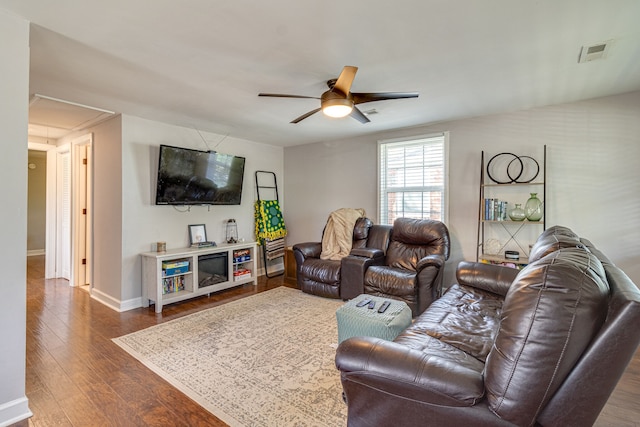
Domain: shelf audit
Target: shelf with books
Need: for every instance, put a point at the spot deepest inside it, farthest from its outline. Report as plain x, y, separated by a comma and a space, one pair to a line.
242, 264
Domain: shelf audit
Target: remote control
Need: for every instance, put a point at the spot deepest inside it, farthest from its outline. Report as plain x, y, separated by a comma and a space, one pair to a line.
384, 307
363, 303
372, 305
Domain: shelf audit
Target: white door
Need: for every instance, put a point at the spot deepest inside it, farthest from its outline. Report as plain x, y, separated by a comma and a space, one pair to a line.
81, 214
63, 215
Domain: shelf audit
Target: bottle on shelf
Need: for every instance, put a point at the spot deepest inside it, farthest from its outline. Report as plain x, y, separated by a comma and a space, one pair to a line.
533, 208
517, 213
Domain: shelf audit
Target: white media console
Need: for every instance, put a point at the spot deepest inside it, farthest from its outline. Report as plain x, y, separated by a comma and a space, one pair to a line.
180, 274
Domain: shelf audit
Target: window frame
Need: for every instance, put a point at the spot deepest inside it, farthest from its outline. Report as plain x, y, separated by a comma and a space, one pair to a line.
407, 141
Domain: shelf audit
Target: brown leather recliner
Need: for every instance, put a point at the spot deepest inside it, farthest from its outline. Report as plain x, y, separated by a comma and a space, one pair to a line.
322, 277
413, 268
544, 346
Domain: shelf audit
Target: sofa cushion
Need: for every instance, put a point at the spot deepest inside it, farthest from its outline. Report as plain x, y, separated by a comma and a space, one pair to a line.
464, 317
414, 239
325, 271
550, 314
396, 282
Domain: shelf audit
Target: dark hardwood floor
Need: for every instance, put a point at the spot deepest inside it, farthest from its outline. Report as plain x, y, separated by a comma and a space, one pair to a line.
76, 376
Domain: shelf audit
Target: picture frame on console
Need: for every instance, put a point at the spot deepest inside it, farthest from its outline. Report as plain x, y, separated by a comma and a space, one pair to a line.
197, 234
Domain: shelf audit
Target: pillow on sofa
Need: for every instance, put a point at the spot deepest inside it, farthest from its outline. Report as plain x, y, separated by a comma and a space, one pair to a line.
550, 314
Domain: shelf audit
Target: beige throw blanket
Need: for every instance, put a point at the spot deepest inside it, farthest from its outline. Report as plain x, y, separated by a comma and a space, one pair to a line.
338, 234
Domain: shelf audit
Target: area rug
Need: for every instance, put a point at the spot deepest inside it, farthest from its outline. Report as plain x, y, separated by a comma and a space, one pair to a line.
264, 360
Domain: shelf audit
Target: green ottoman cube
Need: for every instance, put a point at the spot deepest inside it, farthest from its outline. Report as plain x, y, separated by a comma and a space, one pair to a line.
361, 321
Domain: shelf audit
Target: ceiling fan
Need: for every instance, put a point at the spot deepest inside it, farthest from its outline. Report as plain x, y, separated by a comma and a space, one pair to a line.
339, 101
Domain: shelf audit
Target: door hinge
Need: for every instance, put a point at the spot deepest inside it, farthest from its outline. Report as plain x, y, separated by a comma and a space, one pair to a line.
84, 161
84, 211
84, 261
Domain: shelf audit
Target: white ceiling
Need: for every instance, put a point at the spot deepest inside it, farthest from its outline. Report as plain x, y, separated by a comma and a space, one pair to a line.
202, 63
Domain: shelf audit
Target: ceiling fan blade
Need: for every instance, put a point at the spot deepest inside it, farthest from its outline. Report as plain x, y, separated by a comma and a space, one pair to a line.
345, 79
304, 116
360, 98
359, 115
282, 95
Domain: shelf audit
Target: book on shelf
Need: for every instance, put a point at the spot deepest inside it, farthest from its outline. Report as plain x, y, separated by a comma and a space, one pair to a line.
172, 284
495, 209
241, 273
241, 255
170, 268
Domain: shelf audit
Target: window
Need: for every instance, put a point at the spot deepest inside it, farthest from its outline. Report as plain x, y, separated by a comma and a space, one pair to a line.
413, 178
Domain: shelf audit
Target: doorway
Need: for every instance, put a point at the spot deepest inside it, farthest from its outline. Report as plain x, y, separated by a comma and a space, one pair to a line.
68, 246
68, 210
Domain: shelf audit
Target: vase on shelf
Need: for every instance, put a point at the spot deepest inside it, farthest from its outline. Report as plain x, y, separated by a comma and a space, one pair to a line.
533, 208
517, 213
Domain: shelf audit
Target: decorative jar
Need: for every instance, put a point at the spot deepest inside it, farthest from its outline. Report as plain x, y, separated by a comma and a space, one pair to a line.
517, 213
533, 208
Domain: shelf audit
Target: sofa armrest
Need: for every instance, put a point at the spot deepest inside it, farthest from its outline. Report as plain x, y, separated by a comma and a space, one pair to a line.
393, 368
430, 273
372, 253
307, 250
488, 277
431, 261
353, 268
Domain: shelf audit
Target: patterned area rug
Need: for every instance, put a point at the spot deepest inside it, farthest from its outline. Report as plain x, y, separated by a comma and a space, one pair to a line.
264, 360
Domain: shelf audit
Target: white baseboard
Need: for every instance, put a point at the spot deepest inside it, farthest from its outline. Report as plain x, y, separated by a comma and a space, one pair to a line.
35, 252
14, 411
105, 299
131, 304
115, 304
134, 303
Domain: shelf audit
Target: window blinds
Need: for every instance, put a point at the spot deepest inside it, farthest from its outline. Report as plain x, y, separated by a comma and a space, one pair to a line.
412, 178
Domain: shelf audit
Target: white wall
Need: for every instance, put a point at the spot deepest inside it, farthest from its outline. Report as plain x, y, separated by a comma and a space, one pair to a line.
14, 87
592, 174
107, 212
106, 208
144, 223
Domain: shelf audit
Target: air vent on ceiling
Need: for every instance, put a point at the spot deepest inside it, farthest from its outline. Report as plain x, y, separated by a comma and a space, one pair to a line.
593, 52
370, 112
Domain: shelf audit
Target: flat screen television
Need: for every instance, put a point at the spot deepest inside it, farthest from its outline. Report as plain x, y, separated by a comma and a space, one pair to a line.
194, 177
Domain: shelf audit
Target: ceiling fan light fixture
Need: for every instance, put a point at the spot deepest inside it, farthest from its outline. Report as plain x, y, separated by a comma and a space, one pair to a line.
337, 107
339, 101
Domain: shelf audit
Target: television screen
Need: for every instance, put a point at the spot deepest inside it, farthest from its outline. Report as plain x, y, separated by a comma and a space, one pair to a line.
193, 177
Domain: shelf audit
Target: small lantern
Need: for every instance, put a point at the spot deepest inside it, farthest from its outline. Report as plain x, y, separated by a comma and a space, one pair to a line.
232, 231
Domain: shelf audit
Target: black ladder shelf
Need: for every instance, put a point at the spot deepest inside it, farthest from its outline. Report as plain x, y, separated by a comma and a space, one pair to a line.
273, 188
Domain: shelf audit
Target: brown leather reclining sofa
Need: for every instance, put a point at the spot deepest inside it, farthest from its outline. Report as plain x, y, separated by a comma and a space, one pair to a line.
543, 346
404, 262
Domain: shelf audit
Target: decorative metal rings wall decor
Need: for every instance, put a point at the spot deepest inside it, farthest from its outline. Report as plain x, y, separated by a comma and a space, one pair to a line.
508, 168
